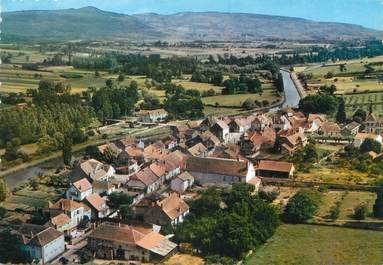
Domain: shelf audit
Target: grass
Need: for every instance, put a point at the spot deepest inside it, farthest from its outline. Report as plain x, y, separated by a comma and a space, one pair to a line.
307, 244
184, 259
238, 99
333, 174
349, 201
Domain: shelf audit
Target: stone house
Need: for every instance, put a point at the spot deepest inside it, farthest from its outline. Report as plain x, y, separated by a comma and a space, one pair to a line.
171, 210
135, 243
182, 182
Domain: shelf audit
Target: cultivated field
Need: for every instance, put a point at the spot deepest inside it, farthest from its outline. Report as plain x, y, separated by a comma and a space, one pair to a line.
314, 245
348, 201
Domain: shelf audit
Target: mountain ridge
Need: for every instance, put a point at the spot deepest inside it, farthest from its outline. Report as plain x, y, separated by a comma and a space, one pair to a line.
91, 23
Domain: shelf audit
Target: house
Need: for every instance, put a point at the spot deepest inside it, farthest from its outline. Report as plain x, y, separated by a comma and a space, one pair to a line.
219, 171
221, 130
98, 206
182, 182
361, 137
210, 140
294, 142
93, 170
144, 181
174, 162
159, 169
79, 190
198, 150
260, 122
104, 187
373, 124
171, 210
110, 148
40, 243
275, 169
76, 211
240, 125
351, 129
149, 116
62, 223
136, 243
331, 129
207, 123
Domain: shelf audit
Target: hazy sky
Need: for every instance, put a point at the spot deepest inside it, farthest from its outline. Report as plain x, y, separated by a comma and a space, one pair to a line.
368, 13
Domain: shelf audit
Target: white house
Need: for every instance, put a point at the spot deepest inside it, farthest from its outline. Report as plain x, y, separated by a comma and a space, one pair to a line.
182, 182
41, 243
148, 116
219, 171
79, 190
97, 205
76, 211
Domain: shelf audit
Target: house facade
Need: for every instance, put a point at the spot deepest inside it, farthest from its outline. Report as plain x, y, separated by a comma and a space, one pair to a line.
182, 182
40, 243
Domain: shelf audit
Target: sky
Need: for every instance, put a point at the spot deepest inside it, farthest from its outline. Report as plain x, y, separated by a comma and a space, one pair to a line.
368, 13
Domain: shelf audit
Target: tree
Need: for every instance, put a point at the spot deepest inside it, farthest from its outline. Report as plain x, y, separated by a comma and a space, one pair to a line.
248, 104
3, 190
378, 205
126, 212
326, 104
116, 199
341, 114
10, 248
302, 207
121, 78
85, 255
67, 150
246, 147
360, 212
360, 116
12, 149
371, 145
3, 212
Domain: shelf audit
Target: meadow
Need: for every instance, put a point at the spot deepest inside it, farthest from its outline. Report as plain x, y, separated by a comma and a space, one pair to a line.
314, 245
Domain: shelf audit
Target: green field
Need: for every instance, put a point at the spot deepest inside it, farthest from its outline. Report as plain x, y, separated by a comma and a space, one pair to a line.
308, 244
238, 99
348, 202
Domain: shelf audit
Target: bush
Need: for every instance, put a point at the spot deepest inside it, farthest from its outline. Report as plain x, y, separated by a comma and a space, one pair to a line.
360, 212
335, 211
268, 196
302, 206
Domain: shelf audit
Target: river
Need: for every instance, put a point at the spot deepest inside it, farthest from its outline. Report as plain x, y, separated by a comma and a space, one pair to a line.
291, 92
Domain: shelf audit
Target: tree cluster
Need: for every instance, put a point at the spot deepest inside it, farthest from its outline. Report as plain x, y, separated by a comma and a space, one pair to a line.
243, 223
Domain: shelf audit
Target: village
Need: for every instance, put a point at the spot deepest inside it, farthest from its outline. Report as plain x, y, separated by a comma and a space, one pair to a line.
125, 194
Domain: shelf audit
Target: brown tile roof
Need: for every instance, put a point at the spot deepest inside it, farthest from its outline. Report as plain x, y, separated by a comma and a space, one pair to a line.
197, 149
94, 169
134, 151
157, 243
185, 176
217, 166
174, 160
96, 201
158, 168
123, 234
209, 135
278, 166
82, 185
146, 176
330, 127
67, 205
353, 125
105, 185
296, 138
173, 206
38, 235
60, 220
222, 124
